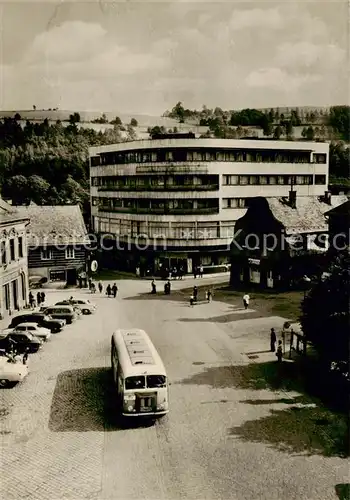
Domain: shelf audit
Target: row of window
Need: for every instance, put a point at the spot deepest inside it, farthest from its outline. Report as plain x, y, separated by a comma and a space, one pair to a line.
46, 253
188, 230
156, 204
186, 154
11, 250
235, 202
155, 181
262, 180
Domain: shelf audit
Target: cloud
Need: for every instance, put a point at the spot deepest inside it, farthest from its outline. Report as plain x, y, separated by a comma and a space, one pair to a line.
256, 18
276, 78
220, 54
305, 54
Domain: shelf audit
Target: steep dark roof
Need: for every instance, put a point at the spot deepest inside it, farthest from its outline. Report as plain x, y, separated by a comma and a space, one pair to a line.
8, 213
343, 209
50, 225
307, 217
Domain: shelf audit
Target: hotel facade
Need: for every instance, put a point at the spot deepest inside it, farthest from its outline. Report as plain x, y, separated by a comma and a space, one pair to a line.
175, 201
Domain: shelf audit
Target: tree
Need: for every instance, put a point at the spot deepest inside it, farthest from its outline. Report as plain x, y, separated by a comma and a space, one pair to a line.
339, 120
310, 133
267, 125
37, 189
16, 188
278, 132
131, 133
117, 121
325, 312
74, 118
133, 122
339, 160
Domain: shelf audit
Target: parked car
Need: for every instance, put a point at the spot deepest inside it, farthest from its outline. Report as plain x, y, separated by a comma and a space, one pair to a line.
61, 312
84, 305
21, 341
42, 320
12, 370
76, 309
42, 333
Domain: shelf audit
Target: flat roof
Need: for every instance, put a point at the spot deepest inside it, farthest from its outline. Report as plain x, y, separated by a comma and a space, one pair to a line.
321, 147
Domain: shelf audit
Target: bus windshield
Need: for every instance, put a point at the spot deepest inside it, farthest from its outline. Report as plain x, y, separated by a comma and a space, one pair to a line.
156, 381
135, 383
139, 382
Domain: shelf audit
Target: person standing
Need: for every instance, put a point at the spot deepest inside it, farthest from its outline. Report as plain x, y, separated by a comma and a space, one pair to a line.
273, 340
100, 287
154, 288
195, 293
191, 301
42, 297
246, 300
279, 352
108, 291
201, 271
38, 298
31, 300
209, 296
115, 290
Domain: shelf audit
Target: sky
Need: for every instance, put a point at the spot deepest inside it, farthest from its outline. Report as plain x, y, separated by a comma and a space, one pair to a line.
143, 57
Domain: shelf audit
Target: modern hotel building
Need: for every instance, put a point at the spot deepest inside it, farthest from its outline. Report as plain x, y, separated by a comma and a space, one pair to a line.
174, 201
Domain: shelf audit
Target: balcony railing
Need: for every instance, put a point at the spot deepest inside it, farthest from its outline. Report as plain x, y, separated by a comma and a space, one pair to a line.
161, 211
149, 187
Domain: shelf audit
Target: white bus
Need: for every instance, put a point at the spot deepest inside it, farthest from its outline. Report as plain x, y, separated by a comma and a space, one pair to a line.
139, 375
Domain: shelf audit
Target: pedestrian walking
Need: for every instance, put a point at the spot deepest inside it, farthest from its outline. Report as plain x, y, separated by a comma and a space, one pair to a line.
279, 352
90, 283
191, 301
195, 273
100, 287
209, 296
25, 356
42, 297
181, 273
246, 300
31, 300
273, 340
114, 290
108, 291
93, 288
38, 298
201, 271
195, 293
153, 287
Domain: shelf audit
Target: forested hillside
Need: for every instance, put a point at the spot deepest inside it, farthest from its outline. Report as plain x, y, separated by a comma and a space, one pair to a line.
48, 164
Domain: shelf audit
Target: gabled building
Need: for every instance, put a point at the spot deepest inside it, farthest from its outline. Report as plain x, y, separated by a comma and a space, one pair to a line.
58, 242
13, 260
281, 239
339, 227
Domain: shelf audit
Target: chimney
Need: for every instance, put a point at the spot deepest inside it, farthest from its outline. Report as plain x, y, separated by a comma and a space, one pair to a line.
293, 199
328, 197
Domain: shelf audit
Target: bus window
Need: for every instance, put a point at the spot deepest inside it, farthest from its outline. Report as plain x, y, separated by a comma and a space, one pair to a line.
156, 381
135, 383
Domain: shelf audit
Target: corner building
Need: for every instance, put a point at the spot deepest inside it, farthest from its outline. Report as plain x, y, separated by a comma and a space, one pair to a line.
174, 201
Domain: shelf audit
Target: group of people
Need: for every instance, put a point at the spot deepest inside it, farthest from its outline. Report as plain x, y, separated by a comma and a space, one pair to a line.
198, 271
111, 291
40, 299
194, 296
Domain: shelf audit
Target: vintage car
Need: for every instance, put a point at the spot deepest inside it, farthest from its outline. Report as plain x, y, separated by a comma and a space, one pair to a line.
54, 325
34, 329
21, 342
13, 369
85, 306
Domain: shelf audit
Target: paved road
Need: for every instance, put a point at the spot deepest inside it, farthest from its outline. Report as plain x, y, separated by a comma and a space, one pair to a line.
59, 440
